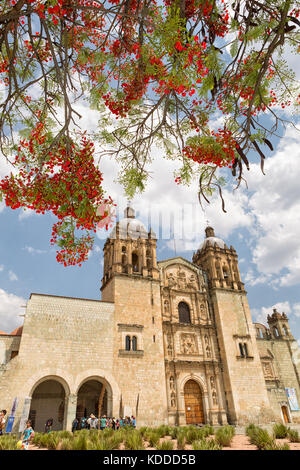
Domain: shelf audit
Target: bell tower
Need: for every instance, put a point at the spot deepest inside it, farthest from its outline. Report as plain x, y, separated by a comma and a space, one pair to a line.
131, 280
245, 390
279, 325
130, 250
219, 261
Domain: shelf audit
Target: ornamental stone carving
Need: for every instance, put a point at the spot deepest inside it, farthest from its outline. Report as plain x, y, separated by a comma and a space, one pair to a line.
188, 344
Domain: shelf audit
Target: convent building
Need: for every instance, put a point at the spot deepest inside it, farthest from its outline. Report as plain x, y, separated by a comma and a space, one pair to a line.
171, 341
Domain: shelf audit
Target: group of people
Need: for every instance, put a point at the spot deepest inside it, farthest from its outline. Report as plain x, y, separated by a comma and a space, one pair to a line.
102, 423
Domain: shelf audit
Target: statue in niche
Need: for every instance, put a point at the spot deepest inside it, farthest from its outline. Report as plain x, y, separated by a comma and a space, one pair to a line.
166, 306
169, 345
171, 280
181, 279
214, 398
188, 344
172, 384
173, 400
208, 353
203, 313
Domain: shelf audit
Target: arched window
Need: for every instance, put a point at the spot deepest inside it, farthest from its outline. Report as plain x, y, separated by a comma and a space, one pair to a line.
134, 343
246, 349
241, 350
285, 330
184, 313
275, 331
135, 262
127, 343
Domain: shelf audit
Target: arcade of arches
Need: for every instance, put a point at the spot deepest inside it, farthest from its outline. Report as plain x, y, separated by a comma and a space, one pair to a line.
50, 400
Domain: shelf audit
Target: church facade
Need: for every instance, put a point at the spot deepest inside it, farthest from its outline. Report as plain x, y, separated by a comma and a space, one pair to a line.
170, 342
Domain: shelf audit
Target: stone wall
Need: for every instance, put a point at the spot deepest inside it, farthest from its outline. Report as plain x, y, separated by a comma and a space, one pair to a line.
284, 362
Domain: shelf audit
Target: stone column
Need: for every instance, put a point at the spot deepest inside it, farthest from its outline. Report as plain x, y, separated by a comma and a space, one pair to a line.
129, 257
222, 409
70, 411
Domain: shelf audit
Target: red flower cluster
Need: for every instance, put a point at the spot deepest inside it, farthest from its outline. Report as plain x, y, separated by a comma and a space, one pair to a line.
218, 149
65, 182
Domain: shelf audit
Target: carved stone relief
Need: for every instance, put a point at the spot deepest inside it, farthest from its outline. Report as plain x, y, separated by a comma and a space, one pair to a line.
188, 344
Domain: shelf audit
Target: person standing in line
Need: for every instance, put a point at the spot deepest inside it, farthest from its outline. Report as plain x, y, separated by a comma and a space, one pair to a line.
102, 423
2, 422
27, 435
48, 425
74, 424
133, 421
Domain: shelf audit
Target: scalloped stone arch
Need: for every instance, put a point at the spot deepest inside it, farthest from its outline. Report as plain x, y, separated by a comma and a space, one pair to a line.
97, 374
48, 374
197, 379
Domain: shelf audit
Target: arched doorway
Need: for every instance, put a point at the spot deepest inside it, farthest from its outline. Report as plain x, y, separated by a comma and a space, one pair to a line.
193, 403
90, 397
48, 401
285, 414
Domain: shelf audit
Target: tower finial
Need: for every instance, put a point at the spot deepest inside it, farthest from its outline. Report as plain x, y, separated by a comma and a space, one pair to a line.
209, 232
129, 212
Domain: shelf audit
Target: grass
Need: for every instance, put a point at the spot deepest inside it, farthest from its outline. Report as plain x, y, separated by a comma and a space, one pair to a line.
165, 445
134, 439
293, 436
206, 444
280, 431
224, 435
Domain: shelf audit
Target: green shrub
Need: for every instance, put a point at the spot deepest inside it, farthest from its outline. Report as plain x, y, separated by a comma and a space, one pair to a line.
224, 435
280, 431
143, 430
153, 438
206, 444
165, 445
81, 442
134, 441
192, 435
261, 438
293, 436
250, 428
66, 444
173, 432
64, 434
275, 446
180, 440
208, 430
101, 444
53, 440
162, 430
8, 442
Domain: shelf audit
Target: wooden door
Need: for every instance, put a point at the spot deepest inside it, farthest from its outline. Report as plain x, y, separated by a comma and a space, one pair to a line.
193, 403
285, 414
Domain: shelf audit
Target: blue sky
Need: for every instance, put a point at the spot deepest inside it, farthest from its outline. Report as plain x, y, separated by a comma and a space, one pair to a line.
262, 223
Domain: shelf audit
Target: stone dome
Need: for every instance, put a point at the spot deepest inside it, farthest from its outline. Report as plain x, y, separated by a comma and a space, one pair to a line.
212, 239
130, 227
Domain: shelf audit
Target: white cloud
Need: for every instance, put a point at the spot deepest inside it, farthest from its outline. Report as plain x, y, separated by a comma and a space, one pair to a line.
260, 315
1, 267
10, 308
25, 213
12, 276
275, 206
34, 251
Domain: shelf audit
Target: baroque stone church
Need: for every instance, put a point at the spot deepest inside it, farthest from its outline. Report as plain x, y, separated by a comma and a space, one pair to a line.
170, 342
